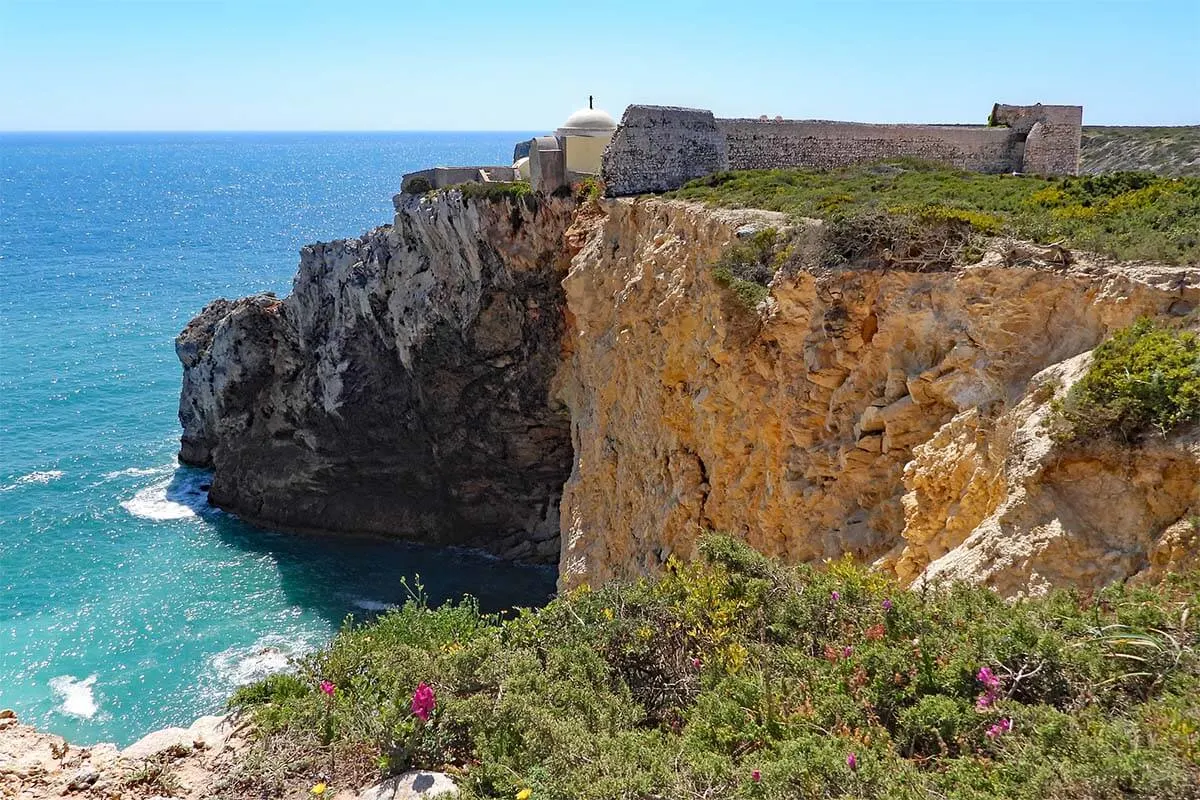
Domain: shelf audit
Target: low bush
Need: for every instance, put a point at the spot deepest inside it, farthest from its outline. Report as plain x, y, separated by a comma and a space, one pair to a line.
738, 677
1128, 215
495, 191
748, 265
1143, 378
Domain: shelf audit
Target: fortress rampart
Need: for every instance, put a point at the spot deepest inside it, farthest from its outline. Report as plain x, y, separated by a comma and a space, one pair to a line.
658, 148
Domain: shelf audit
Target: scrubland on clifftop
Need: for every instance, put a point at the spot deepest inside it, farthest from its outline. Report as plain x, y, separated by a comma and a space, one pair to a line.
736, 676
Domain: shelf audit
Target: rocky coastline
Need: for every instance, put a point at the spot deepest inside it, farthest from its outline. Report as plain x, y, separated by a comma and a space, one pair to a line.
562, 379
202, 760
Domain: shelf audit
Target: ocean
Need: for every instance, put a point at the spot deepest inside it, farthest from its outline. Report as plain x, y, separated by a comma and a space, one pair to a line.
126, 603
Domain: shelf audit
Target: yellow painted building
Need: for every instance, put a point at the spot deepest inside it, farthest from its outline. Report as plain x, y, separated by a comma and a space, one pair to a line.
585, 135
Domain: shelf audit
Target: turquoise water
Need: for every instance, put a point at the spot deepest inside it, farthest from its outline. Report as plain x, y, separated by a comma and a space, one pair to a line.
126, 603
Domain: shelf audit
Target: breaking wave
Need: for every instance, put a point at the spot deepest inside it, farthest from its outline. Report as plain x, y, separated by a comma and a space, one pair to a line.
178, 496
78, 699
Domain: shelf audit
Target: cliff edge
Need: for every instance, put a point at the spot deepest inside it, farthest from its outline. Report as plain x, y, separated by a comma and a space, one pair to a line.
401, 388
489, 372
893, 415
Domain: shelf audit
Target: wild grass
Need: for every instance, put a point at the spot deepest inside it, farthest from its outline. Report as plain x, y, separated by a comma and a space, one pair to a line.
737, 677
1130, 216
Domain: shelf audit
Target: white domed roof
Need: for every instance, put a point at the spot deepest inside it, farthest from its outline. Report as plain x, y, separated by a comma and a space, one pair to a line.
588, 122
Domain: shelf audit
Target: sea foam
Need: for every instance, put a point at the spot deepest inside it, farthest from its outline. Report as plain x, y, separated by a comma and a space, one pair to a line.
170, 498
367, 604
41, 477
78, 699
238, 666
138, 471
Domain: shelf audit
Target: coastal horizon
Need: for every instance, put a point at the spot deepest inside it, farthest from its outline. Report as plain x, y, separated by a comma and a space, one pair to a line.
562, 402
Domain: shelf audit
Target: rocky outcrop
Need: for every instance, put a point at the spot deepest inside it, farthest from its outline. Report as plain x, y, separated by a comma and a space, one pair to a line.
187, 763
995, 498
442, 377
874, 413
213, 757
402, 388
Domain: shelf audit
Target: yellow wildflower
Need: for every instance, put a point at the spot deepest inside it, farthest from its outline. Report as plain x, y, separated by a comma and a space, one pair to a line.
524, 794
319, 789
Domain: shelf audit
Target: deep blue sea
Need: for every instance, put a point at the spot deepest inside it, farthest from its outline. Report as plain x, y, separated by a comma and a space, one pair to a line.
126, 604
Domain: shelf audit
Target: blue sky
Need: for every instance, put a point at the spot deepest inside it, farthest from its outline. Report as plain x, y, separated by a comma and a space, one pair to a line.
511, 65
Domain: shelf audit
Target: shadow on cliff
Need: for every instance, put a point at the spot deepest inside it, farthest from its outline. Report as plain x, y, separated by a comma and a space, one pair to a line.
336, 576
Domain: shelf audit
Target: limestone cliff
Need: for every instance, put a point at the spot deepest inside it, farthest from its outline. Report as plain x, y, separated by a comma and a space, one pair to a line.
402, 388
442, 377
884, 414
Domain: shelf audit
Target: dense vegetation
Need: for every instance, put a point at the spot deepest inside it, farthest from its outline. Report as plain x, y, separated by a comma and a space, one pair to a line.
747, 266
496, 190
737, 677
1144, 378
1128, 215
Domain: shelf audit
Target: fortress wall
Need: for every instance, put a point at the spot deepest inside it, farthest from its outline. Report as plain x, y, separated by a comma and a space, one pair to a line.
658, 148
758, 144
1053, 134
441, 177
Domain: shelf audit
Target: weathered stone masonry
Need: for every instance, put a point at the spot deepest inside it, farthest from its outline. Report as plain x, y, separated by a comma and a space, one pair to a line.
658, 148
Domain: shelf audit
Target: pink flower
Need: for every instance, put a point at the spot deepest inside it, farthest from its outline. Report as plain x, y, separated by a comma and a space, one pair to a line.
847, 651
695, 663
835, 595
756, 776
852, 761
423, 702
887, 604
327, 687
1003, 726
991, 685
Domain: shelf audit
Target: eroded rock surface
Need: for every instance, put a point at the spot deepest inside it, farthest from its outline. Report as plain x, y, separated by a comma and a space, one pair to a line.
401, 389
186, 763
796, 426
998, 500
442, 377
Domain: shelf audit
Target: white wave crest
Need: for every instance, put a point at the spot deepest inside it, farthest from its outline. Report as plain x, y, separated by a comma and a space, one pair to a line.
238, 666
40, 477
78, 699
138, 471
174, 497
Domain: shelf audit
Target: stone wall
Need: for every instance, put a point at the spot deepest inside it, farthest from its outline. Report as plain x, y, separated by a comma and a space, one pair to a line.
755, 144
658, 148
1052, 135
442, 177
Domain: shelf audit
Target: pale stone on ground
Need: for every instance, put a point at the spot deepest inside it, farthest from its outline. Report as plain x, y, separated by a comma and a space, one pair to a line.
412, 785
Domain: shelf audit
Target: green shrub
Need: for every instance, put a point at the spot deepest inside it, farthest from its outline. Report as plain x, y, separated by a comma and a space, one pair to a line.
933, 725
495, 191
588, 190
1129, 215
689, 684
1144, 377
419, 186
748, 265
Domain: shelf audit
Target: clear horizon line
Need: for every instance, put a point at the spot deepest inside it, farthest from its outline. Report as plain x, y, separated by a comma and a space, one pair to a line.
94, 131
260, 130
